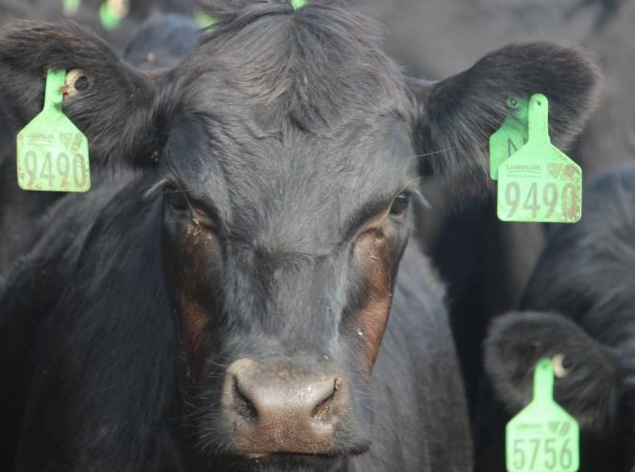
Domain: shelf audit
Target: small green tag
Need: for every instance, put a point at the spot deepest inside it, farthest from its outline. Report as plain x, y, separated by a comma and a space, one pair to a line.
543, 436
204, 19
110, 19
52, 153
70, 7
296, 4
539, 183
510, 137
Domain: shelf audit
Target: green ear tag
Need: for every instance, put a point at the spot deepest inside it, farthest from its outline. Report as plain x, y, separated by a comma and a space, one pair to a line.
542, 437
52, 153
109, 17
296, 4
204, 19
70, 7
510, 137
539, 183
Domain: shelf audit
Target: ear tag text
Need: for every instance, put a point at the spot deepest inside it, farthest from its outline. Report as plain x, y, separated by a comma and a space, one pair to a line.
510, 137
543, 437
539, 183
52, 154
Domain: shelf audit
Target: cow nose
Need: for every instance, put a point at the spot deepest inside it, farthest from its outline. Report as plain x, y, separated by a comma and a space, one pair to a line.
276, 409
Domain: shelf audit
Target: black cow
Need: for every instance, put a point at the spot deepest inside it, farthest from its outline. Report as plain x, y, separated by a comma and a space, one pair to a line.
162, 41
223, 305
578, 308
485, 262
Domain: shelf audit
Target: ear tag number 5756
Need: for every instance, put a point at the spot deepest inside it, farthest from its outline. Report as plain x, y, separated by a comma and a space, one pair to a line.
539, 183
52, 153
543, 436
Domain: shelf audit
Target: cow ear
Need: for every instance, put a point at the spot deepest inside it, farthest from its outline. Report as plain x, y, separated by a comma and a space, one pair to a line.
115, 104
584, 367
455, 117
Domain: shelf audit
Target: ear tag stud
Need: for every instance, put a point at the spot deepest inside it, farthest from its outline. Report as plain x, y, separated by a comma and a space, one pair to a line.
510, 137
539, 183
543, 437
52, 154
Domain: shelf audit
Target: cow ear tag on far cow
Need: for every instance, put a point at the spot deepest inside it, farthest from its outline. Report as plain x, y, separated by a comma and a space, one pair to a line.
539, 183
70, 7
510, 137
112, 12
52, 154
543, 436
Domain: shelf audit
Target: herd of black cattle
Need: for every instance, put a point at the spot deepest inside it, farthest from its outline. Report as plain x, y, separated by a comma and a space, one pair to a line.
289, 259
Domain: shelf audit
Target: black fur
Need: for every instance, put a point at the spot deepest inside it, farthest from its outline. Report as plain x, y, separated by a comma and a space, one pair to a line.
579, 302
285, 132
167, 38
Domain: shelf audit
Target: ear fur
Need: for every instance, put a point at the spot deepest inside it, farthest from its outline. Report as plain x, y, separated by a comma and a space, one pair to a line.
456, 116
117, 112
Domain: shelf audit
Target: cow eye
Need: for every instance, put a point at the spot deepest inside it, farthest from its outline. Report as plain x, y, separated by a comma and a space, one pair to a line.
175, 198
400, 204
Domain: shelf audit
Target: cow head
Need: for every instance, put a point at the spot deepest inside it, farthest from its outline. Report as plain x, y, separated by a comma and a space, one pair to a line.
290, 149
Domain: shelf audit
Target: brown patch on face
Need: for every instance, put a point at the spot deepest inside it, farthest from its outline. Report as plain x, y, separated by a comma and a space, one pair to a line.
373, 252
197, 262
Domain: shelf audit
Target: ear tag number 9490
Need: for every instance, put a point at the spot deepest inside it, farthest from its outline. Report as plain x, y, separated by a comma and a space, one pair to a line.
539, 183
52, 153
543, 436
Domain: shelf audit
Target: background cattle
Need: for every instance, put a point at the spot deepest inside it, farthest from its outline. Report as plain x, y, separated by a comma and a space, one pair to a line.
485, 262
578, 307
158, 316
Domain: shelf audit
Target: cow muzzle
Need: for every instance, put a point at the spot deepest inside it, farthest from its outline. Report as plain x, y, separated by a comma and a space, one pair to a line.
281, 408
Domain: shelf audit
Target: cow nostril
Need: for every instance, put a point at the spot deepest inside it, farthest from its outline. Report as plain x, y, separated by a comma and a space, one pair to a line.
323, 408
244, 406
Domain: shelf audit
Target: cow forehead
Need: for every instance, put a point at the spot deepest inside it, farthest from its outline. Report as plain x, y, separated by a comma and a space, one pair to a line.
291, 188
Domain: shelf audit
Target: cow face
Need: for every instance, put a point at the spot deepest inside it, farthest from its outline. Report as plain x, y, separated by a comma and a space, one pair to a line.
286, 210
289, 148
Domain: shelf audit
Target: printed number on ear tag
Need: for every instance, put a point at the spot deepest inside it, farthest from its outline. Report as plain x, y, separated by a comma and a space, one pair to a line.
510, 137
539, 183
543, 436
52, 153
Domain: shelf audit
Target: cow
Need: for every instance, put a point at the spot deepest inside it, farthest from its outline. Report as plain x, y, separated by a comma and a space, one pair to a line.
486, 262
161, 41
229, 295
577, 309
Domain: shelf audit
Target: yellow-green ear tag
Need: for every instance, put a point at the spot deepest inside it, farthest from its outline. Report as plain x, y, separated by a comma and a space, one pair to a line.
539, 183
52, 153
543, 436
112, 12
204, 19
70, 7
510, 137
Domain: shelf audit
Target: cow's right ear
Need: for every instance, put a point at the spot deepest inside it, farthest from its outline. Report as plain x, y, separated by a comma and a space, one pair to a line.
588, 383
454, 118
114, 105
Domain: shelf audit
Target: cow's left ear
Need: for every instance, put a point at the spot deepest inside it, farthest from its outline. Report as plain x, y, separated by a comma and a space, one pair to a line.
455, 117
112, 103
